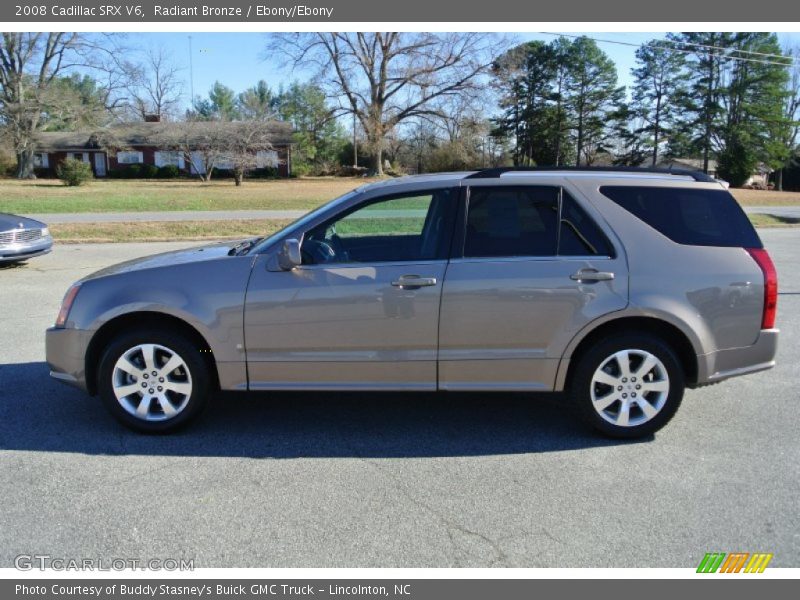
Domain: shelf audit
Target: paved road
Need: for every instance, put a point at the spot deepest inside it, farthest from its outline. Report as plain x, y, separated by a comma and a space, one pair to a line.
390, 480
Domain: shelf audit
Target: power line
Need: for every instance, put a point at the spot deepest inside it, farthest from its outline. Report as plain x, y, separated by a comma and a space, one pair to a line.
792, 60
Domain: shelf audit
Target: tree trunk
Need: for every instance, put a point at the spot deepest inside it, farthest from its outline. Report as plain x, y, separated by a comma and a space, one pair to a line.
238, 176
377, 158
779, 180
25, 165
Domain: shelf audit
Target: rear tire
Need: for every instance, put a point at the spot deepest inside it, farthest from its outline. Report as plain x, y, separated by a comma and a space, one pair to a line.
153, 381
627, 386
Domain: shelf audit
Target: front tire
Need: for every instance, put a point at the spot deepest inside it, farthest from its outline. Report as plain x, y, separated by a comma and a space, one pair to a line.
628, 386
153, 381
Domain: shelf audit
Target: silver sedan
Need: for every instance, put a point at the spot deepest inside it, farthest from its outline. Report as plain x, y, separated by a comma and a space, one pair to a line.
22, 238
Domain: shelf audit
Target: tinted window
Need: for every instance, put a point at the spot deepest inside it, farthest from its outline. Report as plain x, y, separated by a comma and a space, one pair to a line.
511, 221
688, 216
579, 235
412, 227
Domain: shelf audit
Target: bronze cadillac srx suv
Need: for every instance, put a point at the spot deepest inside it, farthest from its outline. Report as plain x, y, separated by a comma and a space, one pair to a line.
619, 287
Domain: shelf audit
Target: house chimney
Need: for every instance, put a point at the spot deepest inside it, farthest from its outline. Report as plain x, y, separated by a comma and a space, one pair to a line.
152, 118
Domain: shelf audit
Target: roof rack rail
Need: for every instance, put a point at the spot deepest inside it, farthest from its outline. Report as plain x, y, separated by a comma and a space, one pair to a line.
497, 171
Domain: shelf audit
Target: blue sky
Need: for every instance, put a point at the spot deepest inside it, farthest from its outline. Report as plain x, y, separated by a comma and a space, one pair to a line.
238, 61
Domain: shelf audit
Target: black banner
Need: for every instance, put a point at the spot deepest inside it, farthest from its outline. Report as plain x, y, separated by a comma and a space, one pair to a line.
330, 11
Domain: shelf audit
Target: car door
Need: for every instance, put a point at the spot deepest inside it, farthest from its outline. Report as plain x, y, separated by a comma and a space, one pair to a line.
362, 311
532, 268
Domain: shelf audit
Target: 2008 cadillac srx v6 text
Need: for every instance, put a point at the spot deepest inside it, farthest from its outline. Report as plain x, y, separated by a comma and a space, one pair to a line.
619, 287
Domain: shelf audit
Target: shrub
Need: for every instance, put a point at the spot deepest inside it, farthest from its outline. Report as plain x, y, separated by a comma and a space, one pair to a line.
132, 171
149, 171
736, 163
221, 173
8, 161
74, 172
301, 169
169, 172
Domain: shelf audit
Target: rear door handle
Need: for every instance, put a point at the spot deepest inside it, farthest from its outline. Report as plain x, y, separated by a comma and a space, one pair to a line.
592, 275
413, 282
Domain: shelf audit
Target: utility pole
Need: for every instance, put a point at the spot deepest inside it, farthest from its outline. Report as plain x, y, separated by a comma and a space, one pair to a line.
355, 143
191, 75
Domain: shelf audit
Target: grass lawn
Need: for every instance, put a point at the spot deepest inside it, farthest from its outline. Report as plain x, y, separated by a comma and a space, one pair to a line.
158, 231
132, 195
773, 221
121, 195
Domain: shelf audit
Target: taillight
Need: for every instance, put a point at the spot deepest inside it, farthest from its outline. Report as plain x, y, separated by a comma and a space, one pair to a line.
66, 305
763, 260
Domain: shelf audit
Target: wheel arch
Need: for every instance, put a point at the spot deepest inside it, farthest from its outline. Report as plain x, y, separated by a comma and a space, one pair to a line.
139, 320
685, 349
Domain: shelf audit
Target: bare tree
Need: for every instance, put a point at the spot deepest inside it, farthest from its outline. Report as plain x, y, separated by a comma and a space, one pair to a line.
238, 146
248, 145
201, 143
387, 78
30, 63
154, 85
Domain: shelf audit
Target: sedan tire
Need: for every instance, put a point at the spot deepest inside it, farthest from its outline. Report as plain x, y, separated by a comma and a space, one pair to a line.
153, 381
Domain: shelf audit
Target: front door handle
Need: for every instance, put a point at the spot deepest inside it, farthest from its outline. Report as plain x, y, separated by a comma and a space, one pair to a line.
413, 282
592, 275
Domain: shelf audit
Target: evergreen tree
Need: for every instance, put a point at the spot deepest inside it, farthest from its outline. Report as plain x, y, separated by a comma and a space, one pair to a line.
658, 90
592, 96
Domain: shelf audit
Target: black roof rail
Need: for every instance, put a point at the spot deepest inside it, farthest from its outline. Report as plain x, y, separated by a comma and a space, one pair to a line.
497, 171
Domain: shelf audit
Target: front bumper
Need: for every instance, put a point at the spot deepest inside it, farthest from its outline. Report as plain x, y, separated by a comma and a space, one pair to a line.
66, 355
24, 251
733, 362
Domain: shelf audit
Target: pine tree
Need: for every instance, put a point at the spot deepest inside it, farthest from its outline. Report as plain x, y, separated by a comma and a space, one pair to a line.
657, 92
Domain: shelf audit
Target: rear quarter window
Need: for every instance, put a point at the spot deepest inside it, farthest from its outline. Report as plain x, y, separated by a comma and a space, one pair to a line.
694, 217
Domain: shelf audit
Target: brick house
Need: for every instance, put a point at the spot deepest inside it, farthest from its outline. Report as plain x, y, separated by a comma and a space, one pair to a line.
118, 147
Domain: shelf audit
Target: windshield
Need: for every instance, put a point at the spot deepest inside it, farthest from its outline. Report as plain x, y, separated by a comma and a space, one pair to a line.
300, 223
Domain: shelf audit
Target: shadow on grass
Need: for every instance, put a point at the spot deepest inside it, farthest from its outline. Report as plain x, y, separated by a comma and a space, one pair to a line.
39, 414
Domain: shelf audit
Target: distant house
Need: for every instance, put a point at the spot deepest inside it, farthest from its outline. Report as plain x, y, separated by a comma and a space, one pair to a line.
759, 178
119, 147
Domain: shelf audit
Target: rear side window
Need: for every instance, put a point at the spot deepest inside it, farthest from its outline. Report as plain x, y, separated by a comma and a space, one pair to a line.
579, 235
688, 216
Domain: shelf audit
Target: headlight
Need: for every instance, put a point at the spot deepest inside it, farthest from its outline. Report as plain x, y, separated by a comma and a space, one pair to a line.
45, 231
66, 304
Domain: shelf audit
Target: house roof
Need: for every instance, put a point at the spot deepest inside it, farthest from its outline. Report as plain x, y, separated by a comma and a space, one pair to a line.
689, 163
147, 134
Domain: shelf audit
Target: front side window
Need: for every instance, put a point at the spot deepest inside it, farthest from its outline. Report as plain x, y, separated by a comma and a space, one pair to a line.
411, 227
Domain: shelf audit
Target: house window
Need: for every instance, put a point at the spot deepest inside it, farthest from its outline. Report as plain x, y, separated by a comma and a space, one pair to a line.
169, 158
130, 158
266, 158
224, 163
41, 160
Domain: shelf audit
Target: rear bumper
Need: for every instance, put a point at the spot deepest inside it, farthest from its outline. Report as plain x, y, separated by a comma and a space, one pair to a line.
723, 364
66, 352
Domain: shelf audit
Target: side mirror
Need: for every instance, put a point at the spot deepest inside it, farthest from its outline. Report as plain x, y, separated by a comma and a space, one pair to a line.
289, 256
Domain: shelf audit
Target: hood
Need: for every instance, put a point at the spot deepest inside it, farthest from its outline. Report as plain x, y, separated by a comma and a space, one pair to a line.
168, 259
8, 221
